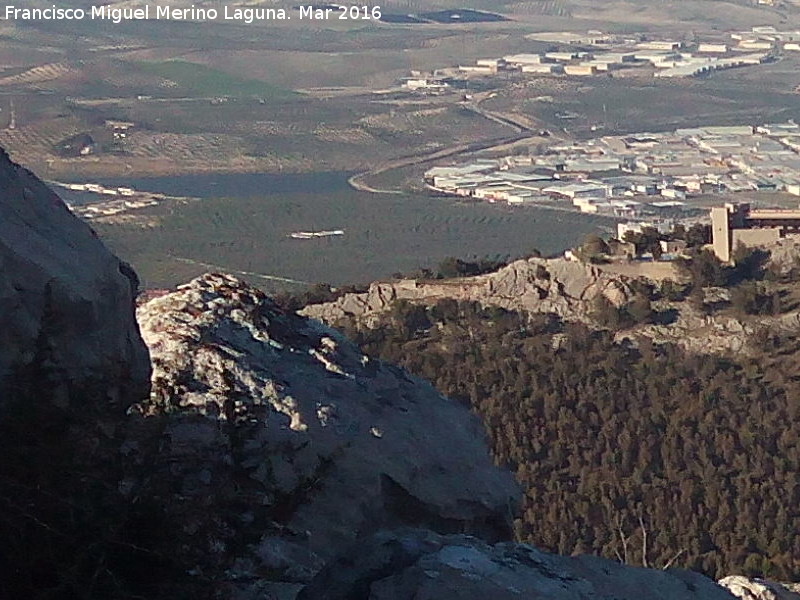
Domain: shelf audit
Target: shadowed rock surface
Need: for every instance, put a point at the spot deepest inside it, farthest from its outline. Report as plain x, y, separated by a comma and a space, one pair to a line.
71, 363
67, 327
420, 565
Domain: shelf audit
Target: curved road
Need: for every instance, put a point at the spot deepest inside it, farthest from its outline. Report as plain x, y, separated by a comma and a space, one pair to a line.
521, 131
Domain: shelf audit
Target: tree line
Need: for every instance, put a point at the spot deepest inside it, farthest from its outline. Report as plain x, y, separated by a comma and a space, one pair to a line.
638, 452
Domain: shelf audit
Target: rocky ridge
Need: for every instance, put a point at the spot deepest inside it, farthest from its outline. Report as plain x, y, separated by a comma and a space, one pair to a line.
759, 589
565, 288
559, 286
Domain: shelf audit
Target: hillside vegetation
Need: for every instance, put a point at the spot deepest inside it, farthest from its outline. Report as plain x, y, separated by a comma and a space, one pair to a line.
646, 454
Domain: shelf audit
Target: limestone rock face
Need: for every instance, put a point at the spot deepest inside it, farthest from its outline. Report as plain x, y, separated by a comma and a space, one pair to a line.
323, 442
67, 326
568, 290
559, 286
420, 565
746, 588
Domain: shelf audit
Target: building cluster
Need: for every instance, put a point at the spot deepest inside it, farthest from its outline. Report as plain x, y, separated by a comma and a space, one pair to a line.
117, 200
667, 59
109, 208
766, 38
119, 129
633, 175
595, 53
96, 188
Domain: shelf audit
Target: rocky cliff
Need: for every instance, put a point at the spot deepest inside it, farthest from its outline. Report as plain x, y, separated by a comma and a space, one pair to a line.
71, 363
67, 327
559, 286
569, 290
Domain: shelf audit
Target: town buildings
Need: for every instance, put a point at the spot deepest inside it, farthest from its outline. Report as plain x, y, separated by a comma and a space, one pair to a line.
644, 175
650, 179
597, 54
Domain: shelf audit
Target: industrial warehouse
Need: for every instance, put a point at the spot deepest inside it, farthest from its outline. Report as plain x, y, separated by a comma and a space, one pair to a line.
603, 54
635, 175
636, 55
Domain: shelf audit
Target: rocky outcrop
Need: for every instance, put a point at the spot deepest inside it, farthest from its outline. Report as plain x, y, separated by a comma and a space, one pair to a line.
784, 254
746, 588
420, 565
324, 443
567, 289
71, 363
67, 327
537, 285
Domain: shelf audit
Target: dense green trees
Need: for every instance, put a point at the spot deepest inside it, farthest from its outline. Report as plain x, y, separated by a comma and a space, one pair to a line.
751, 298
452, 267
647, 240
699, 454
703, 269
697, 235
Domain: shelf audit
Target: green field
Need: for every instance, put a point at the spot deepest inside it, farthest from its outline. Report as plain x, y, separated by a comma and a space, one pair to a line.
384, 234
201, 80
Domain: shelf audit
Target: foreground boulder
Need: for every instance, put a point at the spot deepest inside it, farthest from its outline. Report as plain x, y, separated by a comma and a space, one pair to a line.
67, 327
420, 565
309, 440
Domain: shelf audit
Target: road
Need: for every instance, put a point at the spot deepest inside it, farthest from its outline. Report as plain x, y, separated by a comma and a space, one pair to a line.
521, 132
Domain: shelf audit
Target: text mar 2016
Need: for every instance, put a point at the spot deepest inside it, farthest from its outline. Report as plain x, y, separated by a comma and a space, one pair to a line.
246, 15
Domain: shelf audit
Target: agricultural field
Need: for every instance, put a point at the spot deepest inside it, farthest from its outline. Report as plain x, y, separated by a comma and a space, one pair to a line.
384, 234
203, 81
272, 79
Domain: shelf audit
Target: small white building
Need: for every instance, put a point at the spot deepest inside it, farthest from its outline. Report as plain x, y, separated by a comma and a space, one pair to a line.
793, 188
522, 59
712, 48
560, 56
659, 45
755, 45
673, 193
579, 70
541, 69
477, 69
